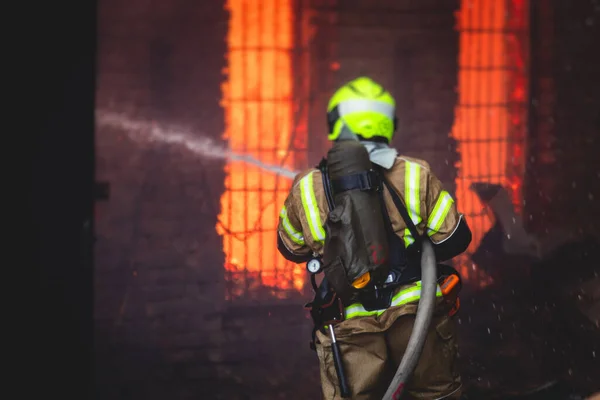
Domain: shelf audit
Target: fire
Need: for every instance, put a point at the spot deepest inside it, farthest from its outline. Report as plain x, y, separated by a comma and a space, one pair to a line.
259, 116
483, 118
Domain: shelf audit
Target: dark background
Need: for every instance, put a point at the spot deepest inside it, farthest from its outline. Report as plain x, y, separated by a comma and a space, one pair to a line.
55, 78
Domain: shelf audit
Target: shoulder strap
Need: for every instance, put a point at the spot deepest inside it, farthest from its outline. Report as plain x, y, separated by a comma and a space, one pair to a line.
398, 256
326, 183
401, 209
386, 216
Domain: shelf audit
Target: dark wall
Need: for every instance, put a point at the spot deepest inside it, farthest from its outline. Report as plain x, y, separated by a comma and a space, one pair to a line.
425, 82
159, 269
563, 178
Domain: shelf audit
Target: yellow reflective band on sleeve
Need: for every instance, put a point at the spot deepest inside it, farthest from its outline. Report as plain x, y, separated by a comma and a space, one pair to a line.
289, 228
439, 213
412, 198
311, 209
403, 297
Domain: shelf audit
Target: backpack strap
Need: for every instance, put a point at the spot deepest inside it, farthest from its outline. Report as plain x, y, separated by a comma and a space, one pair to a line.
326, 183
364, 180
402, 210
398, 260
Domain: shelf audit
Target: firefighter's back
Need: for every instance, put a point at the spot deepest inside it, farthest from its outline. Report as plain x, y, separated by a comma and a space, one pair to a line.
374, 336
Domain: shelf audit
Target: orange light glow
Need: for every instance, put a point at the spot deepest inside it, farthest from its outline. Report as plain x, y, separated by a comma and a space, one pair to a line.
517, 51
259, 116
484, 118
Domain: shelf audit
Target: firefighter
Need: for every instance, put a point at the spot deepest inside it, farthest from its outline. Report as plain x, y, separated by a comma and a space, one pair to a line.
372, 342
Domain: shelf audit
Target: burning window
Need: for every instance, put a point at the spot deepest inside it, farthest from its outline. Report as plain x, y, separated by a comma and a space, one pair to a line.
491, 114
261, 121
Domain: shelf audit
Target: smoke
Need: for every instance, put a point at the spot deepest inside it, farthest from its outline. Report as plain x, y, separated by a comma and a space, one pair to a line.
150, 132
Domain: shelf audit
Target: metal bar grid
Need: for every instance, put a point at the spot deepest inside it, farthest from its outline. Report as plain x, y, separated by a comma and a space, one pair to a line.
491, 114
264, 99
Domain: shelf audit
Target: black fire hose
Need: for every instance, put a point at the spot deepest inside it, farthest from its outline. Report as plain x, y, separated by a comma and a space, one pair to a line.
421, 326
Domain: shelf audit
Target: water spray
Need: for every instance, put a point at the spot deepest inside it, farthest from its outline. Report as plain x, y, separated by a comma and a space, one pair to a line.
151, 132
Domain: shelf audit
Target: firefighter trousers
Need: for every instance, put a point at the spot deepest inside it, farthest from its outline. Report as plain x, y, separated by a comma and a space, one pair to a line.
372, 347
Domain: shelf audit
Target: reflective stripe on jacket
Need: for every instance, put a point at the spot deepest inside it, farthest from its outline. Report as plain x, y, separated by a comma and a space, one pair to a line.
410, 294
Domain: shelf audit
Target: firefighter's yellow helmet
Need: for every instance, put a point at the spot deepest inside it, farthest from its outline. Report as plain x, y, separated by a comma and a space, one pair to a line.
365, 108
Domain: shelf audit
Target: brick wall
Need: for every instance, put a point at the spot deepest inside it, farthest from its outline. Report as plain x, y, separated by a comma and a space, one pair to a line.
578, 115
563, 177
159, 277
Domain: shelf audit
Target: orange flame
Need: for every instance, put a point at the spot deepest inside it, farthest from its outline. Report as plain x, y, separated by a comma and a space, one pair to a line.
258, 104
483, 118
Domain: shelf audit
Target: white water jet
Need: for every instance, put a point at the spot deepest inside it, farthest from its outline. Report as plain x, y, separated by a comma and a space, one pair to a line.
150, 132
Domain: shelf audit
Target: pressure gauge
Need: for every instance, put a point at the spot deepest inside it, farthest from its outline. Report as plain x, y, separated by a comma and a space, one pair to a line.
313, 266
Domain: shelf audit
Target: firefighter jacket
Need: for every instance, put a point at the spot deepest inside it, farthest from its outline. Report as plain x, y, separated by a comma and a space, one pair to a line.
431, 208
